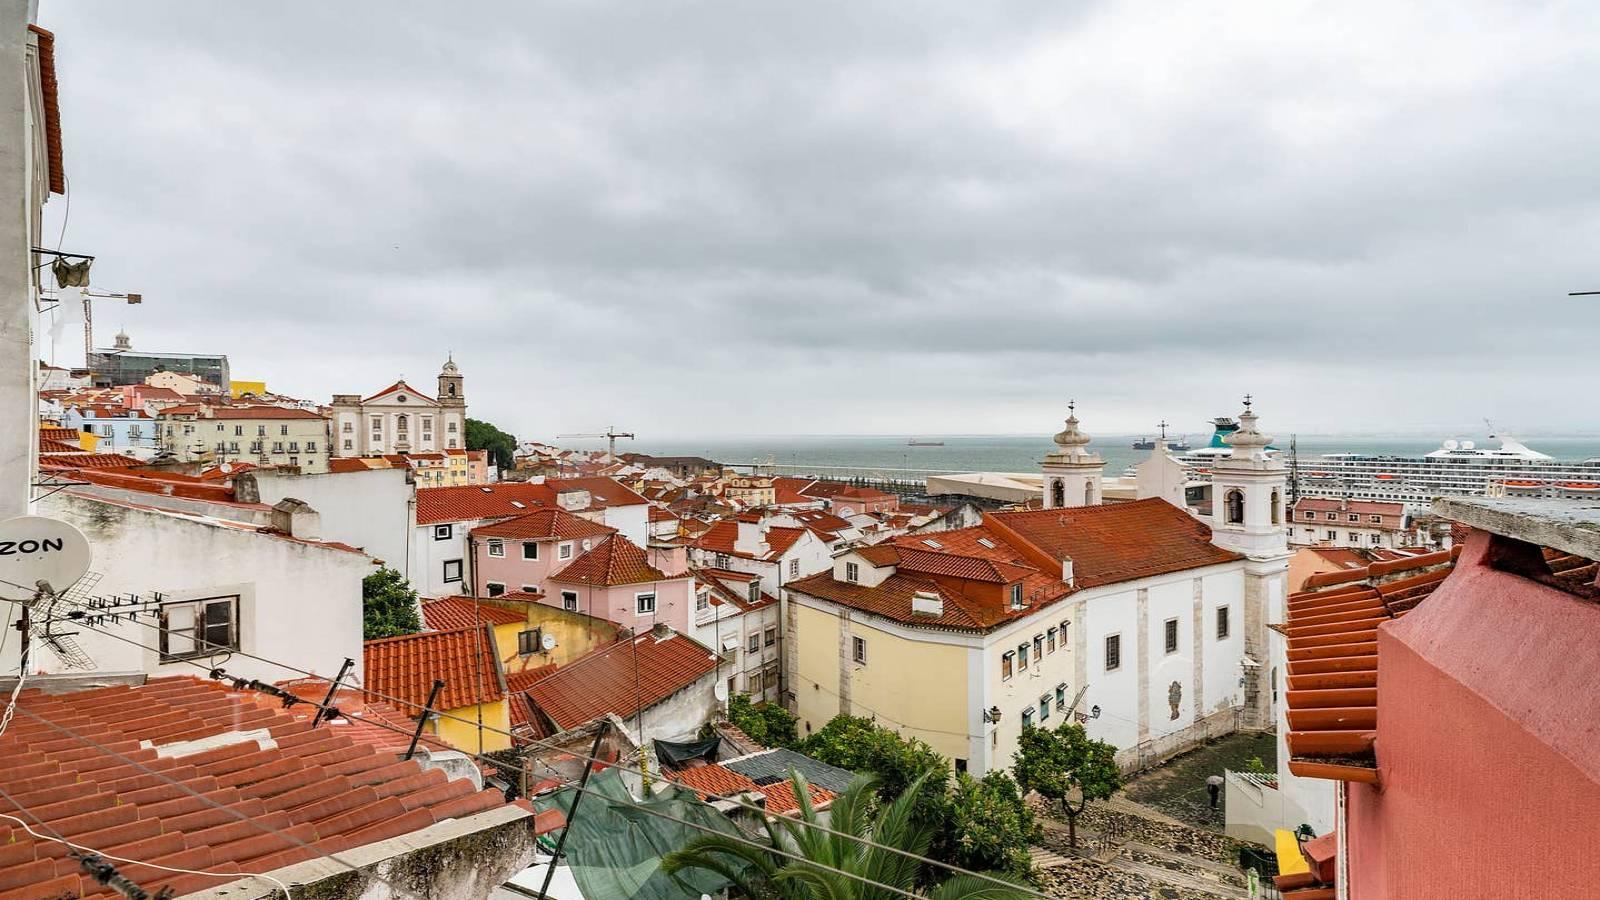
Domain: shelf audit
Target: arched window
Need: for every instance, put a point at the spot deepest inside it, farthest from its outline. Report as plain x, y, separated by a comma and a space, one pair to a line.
1277, 516
401, 423
1058, 494
1233, 506
452, 390
1088, 493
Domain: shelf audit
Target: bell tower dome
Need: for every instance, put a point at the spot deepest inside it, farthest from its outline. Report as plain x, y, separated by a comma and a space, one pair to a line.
1248, 488
451, 390
1072, 471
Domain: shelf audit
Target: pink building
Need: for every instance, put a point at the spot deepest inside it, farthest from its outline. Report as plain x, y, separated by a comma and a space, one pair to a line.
1454, 711
520, 554
616, 581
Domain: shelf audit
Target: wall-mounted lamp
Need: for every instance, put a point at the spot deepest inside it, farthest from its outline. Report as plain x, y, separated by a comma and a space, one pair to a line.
992, 715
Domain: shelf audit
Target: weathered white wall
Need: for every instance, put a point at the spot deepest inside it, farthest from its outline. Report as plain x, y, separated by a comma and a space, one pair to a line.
370, 510
633, 521
678, 717
298, 603
19, 180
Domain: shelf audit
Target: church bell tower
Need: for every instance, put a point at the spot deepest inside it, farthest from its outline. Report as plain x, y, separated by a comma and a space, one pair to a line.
1072, 471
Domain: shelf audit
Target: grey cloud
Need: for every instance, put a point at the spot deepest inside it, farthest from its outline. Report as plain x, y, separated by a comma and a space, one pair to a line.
774, 216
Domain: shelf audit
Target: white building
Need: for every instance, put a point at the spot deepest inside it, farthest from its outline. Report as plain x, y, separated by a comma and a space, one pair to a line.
735, 617
175, 578
402, 419
1134, 617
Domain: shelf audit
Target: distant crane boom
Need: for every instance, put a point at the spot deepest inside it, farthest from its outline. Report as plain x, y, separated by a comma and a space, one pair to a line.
88, 317
610, 434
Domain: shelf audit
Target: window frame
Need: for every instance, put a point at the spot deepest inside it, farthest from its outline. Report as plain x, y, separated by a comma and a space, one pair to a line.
1111, 652
1170, 635
564, 550
1222, 621
852, 572
495, 547
198, 607
489, 588
528, 641
444, 532
572, 597
535, 546
752, 643
858, 649
639, 603
1022, 657
1008, 665
459, 569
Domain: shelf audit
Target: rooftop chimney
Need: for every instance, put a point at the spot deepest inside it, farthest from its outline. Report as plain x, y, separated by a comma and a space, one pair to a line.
297, 519
661, 631
1067, 573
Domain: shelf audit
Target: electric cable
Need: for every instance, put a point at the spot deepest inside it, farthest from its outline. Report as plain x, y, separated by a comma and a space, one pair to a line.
578, 755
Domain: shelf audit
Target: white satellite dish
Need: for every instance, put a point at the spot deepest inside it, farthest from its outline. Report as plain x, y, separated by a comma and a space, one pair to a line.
720, 691
548, 642
1467, 445
1451, 444
35, 549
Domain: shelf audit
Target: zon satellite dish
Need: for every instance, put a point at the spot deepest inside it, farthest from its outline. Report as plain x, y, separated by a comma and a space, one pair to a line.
548, 642
35, 549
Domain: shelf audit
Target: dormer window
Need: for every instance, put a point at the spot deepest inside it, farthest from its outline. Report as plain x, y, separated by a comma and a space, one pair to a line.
852, 572
1016, 595
755, 592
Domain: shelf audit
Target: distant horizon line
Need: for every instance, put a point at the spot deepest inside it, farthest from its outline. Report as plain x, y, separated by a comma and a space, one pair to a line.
1280, 434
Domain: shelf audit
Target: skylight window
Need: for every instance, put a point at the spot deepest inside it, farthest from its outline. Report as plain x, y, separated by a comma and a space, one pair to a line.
986, 542
518, 504
933, 543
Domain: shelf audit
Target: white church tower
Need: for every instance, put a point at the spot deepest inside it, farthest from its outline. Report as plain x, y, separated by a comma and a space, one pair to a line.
1072, 471
1248, 515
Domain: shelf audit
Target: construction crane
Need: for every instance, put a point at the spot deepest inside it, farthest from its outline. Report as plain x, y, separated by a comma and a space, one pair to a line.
611, 434
88, 316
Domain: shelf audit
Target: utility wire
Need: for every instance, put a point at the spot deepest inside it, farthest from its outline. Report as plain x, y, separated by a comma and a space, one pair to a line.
658, 813
544, 745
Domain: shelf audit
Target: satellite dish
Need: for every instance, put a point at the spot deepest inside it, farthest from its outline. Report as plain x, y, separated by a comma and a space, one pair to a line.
35, 549
720, 691
1467, 445
548, 642
1451, 444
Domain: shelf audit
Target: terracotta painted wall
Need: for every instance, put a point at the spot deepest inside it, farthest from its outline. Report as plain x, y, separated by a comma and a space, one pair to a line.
1487, 746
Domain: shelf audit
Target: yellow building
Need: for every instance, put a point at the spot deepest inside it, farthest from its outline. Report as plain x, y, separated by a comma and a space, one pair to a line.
237, 389
473, 698
528, 635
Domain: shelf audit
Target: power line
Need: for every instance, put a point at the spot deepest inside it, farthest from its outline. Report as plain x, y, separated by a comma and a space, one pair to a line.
242, 817
209, 802
424, 710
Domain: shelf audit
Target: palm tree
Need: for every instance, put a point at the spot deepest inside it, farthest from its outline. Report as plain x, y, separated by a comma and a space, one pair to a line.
831, 859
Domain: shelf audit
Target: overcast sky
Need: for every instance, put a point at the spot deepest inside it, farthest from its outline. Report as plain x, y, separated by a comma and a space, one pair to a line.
691, 219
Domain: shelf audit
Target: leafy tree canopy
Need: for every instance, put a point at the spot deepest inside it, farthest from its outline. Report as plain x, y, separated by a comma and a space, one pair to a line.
990, 826
1066, 765
388, 605
767, 723
483, 435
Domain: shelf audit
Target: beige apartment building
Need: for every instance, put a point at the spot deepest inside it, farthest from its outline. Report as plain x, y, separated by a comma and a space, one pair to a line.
267, 436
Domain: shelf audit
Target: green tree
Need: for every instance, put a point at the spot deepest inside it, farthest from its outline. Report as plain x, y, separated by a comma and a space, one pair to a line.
828, 861
767, 723
1066, 763
990, 825
388, 605
502, 447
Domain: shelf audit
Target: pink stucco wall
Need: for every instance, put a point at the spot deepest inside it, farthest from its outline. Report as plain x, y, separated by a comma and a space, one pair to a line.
1488, 745
674, 602
512, 570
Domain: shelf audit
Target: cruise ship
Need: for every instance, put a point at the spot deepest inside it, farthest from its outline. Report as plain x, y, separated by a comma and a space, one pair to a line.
1456, 469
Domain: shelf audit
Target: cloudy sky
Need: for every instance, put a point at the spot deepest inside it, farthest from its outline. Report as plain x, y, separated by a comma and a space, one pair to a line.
692, 219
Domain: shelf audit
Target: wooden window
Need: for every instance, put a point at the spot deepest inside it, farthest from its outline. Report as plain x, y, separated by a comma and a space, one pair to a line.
858, 650
199, 627
530, 550
497, 548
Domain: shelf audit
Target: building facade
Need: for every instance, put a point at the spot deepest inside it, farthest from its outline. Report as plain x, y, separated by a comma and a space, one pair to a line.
266, 436
121, 364
402, 419
1358, 524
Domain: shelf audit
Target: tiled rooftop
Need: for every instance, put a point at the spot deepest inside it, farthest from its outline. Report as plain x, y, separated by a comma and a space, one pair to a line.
453, 613
405, 667
324, 787
613, 561
723, 534
714, 781
621, 678
1332, 648
549, 523
1118, 542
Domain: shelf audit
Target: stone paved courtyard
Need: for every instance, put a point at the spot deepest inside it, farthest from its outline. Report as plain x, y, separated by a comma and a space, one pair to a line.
1178, 788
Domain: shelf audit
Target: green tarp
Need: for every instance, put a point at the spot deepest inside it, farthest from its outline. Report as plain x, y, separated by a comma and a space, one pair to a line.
615, 847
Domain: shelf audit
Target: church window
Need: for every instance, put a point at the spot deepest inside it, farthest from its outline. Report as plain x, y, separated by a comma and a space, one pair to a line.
1113, 652
1223, 625
1088, 494
1058, 494
1234, 506
1276, 514
1172, 635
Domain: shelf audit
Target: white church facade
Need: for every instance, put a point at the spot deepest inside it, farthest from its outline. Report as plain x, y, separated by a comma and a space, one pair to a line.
402, 419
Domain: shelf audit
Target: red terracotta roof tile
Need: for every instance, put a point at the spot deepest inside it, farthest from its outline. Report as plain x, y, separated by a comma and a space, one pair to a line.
481, 501
549, 523
1332, 655
287, 788
613, 561
1118, 542
465, 659
453, 613
621, 678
